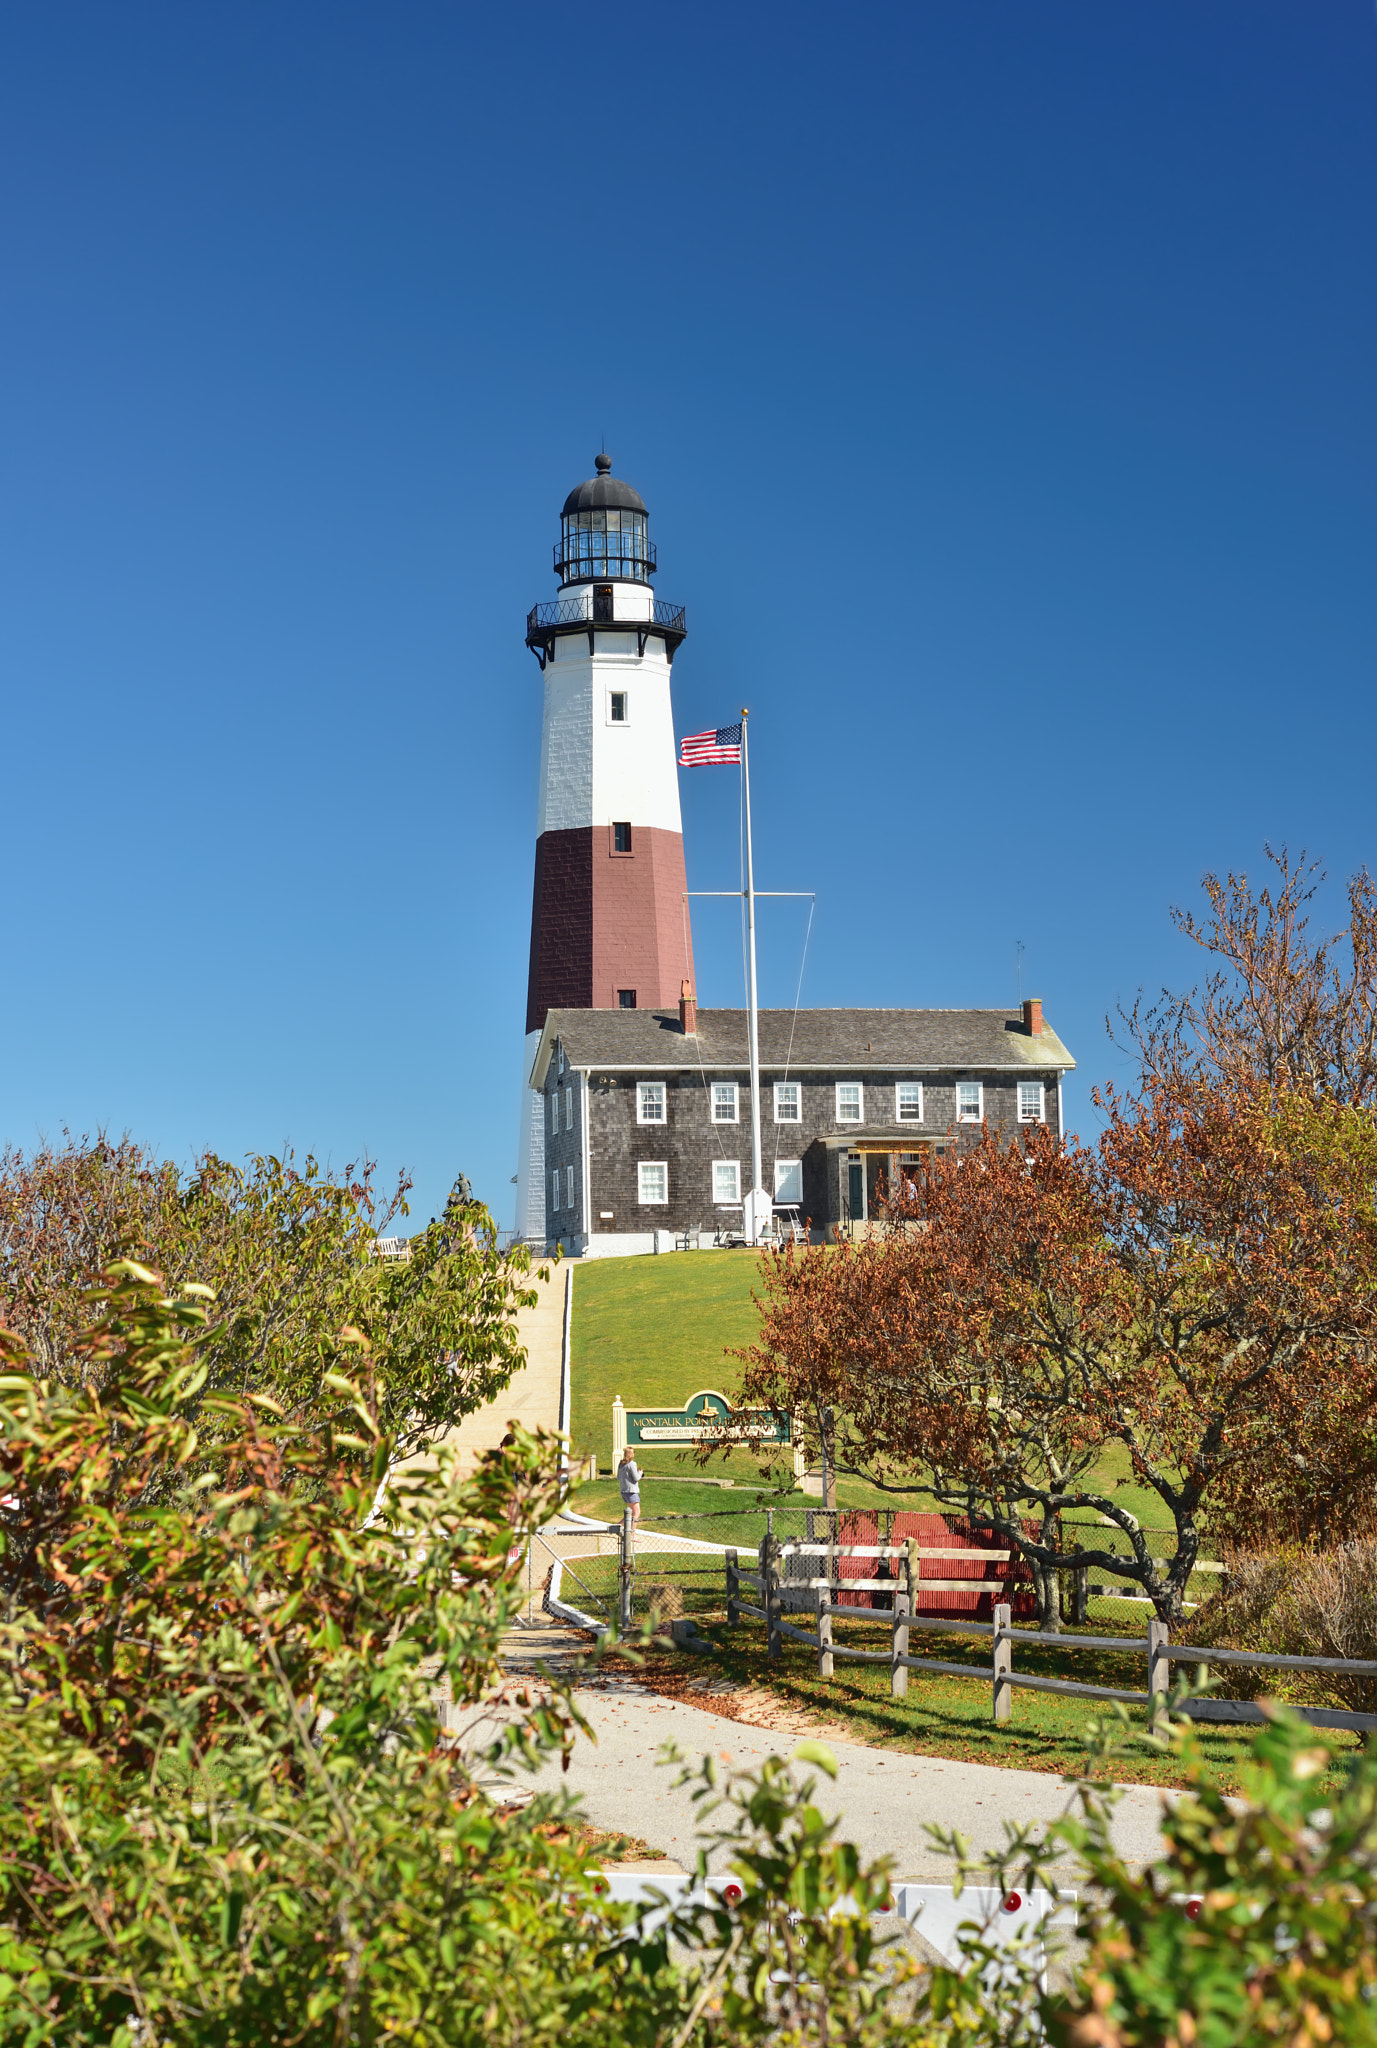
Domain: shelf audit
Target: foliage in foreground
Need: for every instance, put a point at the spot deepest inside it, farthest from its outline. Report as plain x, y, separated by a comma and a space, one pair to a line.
230, 1815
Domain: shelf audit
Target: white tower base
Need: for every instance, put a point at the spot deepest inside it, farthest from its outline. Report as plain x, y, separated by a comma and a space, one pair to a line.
530, 1171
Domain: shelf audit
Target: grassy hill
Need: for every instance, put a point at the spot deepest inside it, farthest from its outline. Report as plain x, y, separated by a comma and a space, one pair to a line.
653, 1331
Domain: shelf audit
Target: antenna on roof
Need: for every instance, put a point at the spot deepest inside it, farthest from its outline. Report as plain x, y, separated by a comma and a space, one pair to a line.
1018, 968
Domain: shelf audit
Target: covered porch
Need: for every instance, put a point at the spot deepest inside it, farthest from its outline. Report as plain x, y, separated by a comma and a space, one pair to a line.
867, 1165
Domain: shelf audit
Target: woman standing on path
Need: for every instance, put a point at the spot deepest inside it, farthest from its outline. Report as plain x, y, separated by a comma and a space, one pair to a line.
629, 1480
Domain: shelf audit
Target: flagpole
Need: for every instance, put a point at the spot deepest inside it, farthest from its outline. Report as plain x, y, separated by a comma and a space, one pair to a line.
753, 1230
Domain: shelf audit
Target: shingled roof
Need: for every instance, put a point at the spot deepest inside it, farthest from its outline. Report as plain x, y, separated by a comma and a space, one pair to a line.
916, 1041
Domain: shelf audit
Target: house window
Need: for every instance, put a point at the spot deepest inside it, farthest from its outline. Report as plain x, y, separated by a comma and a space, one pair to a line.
850, 1102
650, 1102
970, 1107
554, 1189
568, 1109
788, 1182
724, 1102
1030, 1102
554, 1117
626, 998
652, 1181
569, 1187
621, 843
616, 702
908, 1102
788, 1102
726, 1180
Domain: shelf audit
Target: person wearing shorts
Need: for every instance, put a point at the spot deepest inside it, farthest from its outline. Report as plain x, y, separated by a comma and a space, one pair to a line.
629, 1480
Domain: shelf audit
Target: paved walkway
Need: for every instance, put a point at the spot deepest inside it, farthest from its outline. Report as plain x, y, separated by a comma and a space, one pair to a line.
883, 1797
532, 1398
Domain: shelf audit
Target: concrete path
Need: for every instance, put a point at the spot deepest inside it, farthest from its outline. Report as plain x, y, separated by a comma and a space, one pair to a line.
883, 1797
532, 1398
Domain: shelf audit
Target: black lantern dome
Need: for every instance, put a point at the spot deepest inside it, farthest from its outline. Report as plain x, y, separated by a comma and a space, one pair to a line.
603, 532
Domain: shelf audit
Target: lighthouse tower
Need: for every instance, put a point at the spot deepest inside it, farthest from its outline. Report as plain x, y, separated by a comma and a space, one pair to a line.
609, 917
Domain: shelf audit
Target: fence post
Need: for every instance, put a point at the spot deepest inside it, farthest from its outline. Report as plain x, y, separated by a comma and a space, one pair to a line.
769, 1586
1003, 1663
898, 1673
1159, 1669
624, 1573
1080, 1588
733, 1590
825, 1664
913, 1570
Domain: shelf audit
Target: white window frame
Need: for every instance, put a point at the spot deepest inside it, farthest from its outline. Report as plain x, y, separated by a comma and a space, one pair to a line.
643, 1090
797, 1087
790, 1166
554, 1189
734, 1115
1041, 1114
569, 1187
899, 1116
964, 1116
569, 1109
859, 1117
554, 1113
643, 1167
625, 696
732, 1166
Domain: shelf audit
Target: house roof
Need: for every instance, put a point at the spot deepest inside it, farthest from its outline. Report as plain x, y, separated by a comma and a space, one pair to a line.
916, 1041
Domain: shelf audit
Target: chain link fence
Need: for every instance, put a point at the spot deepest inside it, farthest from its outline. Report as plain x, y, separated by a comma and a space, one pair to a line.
676, 1568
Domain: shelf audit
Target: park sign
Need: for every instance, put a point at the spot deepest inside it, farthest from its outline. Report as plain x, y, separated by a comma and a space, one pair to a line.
705, 1418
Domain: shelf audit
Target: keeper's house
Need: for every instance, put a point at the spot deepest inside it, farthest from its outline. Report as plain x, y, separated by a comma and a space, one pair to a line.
648, 1117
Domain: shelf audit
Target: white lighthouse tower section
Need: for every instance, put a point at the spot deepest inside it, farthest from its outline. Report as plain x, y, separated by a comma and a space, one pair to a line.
607, 757
530, 1162
607, 749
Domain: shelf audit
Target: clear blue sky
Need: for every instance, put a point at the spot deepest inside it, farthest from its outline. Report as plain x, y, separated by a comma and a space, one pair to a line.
1000, 380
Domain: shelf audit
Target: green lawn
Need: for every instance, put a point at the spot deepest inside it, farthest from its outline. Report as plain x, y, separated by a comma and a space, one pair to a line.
655, 1330
951, 1716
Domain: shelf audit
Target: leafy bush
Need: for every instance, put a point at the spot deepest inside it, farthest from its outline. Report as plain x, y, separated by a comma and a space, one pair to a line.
288, 1249
231, 1815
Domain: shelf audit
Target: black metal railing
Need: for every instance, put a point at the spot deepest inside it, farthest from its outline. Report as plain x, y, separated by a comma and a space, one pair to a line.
634, 564
574, 611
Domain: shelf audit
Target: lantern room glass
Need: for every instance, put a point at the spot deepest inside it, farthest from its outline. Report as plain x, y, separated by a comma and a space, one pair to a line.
605, 543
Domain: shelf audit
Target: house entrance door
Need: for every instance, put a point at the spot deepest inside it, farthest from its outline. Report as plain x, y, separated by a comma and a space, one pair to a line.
855, 1177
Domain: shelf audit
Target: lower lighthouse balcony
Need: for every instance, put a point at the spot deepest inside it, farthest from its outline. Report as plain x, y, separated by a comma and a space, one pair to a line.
617, 606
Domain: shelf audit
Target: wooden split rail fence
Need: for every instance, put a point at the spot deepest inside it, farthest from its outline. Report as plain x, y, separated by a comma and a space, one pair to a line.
767, 1580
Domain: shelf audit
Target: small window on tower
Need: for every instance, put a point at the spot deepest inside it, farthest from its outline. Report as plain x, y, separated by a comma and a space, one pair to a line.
618, 707
621, 843
626, 998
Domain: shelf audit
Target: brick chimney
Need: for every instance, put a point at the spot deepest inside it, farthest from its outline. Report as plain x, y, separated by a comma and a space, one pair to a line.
688, 1010
1032, 1015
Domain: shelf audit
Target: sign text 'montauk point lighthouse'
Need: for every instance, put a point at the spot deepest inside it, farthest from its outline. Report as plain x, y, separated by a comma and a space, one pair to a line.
609, 916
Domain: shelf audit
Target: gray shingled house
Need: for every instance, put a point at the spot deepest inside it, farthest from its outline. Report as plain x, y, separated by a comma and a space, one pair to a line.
647, 1112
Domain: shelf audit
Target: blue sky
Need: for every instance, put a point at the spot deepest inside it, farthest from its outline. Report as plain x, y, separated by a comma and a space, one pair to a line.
1000, 380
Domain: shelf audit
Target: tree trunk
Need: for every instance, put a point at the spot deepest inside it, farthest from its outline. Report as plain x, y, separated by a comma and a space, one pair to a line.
1048, 1581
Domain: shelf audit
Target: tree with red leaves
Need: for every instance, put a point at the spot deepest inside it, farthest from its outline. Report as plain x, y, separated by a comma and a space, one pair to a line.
1197, 1288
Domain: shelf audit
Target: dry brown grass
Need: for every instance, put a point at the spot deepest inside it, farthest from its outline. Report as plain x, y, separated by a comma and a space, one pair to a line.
1300, 1604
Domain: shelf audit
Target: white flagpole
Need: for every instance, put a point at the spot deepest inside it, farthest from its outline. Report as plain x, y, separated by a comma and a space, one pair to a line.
757, 1211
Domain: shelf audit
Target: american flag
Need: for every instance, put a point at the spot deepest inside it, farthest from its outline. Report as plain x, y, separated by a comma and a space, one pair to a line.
711, 749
